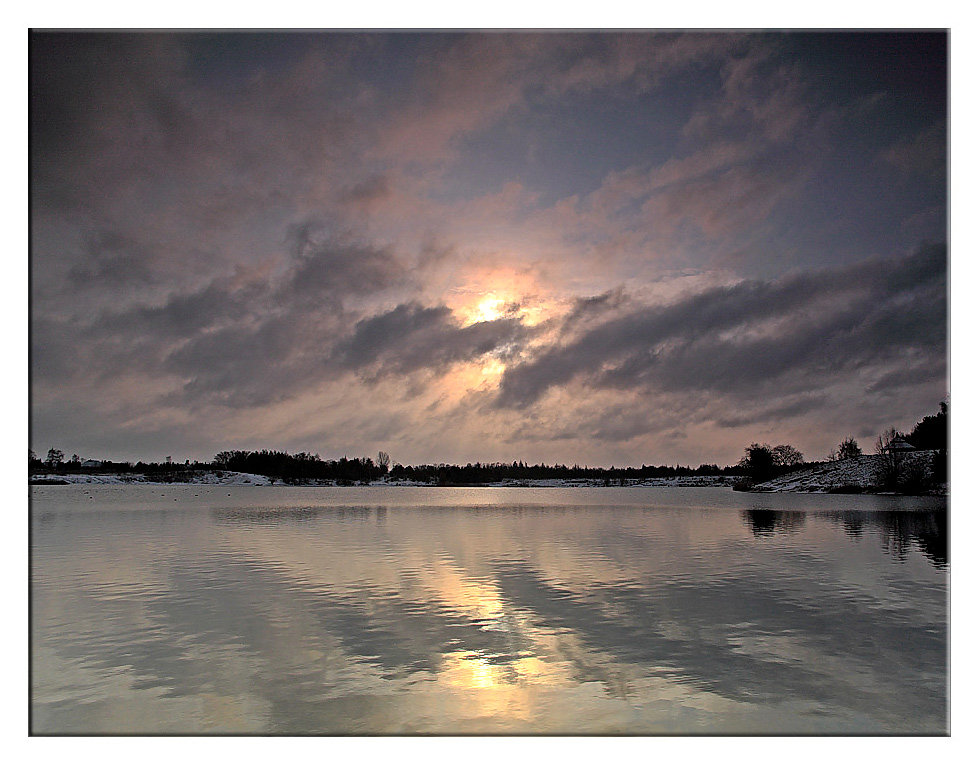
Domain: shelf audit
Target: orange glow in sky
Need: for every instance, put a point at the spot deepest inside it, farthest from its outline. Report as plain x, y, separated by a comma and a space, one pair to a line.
489, 308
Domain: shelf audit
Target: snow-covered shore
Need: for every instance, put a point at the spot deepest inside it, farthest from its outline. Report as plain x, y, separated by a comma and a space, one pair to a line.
856, 473
209, 478
231, 478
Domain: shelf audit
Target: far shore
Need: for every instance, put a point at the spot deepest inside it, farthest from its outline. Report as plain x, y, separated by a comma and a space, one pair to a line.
843, 477
231, 478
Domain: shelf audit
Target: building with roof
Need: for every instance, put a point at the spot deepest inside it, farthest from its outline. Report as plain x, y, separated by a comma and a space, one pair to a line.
898, 445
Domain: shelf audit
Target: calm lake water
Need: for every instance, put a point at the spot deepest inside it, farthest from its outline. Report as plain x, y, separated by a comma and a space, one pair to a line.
208, 609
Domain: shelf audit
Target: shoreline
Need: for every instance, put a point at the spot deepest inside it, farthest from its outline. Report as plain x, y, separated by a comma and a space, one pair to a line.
820, 480
231, 478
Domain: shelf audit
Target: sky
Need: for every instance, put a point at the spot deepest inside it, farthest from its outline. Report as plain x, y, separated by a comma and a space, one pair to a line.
592, 248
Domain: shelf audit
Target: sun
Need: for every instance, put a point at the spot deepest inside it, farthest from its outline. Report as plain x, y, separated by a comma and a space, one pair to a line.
489, 308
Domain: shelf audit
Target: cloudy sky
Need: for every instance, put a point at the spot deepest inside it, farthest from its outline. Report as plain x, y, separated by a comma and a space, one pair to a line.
594, 248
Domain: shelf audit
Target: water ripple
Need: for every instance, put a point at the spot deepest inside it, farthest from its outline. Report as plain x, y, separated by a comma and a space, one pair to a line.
252, 614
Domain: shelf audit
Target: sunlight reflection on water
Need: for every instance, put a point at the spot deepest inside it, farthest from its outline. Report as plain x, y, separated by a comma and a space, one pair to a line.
564, 611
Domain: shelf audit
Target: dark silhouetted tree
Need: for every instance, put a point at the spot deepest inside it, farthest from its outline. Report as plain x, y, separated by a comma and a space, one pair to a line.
55, 458
847, 450
932, 431
758, 461
784, 455
890, 462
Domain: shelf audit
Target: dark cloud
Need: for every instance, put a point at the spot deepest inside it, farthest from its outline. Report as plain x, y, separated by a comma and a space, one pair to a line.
897, 380
243, 339
186, 315
242, 365
326, 266
792, 407
756, 336
111, 258
365, 194
584, 309
412, 337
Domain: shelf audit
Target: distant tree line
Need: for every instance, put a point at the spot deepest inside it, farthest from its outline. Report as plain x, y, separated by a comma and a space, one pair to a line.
495, 472
304, 468
56, 463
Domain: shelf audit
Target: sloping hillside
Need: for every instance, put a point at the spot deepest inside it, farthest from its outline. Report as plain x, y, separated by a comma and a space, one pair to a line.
835, 476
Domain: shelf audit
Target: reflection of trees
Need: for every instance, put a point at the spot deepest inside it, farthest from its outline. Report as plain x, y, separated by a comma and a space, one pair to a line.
929, 531
271, 516
764, 521
853, 524
899, 530
933, 538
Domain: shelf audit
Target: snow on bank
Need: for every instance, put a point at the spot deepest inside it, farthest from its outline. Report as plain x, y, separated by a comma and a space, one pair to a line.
218, 478
230, 478
856, 472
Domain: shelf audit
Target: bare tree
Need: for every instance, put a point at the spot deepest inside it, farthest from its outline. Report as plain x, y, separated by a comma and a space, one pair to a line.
383, 461
883, 443
890, 462
786, 456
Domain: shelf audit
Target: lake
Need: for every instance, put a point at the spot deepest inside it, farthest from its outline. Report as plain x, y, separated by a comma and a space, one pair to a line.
385, 610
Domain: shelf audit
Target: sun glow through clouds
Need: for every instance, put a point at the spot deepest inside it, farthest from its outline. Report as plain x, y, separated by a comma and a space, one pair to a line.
489, 309
492, 368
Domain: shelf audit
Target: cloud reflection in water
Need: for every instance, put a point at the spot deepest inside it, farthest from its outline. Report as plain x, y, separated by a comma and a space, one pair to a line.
367, 619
